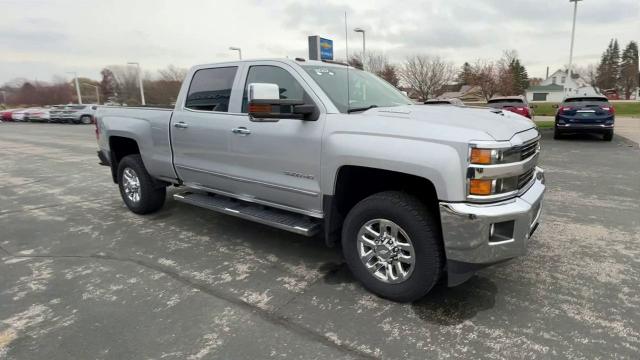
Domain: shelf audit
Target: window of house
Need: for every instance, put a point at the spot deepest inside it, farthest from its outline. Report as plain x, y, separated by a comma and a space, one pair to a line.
210, 89
564, 78
289, 87
540, 96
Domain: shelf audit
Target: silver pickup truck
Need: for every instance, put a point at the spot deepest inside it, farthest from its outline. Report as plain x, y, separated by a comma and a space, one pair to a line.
413, 193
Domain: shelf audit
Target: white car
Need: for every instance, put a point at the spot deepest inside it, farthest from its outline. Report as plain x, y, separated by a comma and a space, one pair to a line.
18, 115
37, 114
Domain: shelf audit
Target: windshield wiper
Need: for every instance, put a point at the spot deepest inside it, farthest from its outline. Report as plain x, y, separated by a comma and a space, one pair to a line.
349, 111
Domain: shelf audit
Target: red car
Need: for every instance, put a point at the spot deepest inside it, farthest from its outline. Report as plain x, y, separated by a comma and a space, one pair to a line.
516, 104
5, 115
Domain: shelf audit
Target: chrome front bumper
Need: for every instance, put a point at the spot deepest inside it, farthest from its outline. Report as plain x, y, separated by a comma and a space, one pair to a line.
467, 230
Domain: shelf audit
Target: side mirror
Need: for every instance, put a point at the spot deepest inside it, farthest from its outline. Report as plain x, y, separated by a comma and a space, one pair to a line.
555, 106
265, 105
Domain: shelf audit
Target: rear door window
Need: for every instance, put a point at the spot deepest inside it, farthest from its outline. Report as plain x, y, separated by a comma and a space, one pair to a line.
587, 99
210, 89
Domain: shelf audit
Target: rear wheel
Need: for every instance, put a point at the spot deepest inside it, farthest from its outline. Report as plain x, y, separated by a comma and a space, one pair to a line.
557, 134
608, 135
139, 192
393, 246
86, 119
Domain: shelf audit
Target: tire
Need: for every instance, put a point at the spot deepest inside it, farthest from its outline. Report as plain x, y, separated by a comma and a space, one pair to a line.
556, 134
86, 119
607, 135
414, 220
151, 196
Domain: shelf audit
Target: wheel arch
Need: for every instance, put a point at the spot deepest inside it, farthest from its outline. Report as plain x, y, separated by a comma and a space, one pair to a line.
354, 183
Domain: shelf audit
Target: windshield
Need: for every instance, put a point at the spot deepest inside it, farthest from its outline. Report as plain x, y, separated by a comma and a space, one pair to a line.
365, 89
500, 101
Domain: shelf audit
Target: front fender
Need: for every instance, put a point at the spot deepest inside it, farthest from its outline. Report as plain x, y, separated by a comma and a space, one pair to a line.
438, 162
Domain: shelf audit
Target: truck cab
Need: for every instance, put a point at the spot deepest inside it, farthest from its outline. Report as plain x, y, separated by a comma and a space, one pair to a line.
411, 192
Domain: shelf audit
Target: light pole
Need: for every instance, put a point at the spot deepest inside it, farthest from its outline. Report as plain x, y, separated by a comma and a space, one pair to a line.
139, 81
97, 92
233, 48
573, 32
361, 30
75, 76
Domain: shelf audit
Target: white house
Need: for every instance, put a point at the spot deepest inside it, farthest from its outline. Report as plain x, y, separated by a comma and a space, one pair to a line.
558, 86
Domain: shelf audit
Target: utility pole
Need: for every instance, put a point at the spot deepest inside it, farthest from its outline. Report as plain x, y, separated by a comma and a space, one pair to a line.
75, 76
573, 32
97, 92
139, 82
239, 50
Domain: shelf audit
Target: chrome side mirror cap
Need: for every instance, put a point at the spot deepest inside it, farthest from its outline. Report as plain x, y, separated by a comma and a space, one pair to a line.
263, 91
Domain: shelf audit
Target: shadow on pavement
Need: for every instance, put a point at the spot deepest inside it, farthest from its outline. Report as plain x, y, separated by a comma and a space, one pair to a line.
452, 306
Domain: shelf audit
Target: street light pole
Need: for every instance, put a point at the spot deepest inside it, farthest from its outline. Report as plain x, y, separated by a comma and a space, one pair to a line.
573, 32
97, 93
139, 81
360, 30
239, 50
75, 76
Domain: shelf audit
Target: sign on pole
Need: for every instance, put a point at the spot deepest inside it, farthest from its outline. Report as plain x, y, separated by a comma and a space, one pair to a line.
320, 48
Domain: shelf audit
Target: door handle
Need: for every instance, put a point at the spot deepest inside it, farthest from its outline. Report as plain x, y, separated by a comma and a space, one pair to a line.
181, 125
241, 131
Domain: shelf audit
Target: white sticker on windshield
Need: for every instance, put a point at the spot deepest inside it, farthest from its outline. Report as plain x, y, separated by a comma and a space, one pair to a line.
322, 71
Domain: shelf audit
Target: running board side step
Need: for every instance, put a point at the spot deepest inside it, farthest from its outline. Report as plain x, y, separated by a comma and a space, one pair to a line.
281, 219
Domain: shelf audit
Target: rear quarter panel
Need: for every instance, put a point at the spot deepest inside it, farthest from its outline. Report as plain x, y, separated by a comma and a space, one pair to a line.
148, 127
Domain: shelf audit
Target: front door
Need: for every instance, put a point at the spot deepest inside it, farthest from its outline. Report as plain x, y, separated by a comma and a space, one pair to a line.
278, 162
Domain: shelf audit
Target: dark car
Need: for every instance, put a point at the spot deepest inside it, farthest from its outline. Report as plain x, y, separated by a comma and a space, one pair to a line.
516, 104
585, 114
450, 101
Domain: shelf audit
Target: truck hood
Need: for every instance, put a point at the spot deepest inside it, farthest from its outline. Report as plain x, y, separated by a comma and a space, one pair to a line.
500, 125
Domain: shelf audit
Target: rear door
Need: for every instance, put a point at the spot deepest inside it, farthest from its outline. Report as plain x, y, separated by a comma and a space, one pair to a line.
200, 129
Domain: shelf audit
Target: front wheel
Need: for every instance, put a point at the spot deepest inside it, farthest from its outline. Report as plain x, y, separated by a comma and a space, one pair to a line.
86, 119
140, 193
393, 246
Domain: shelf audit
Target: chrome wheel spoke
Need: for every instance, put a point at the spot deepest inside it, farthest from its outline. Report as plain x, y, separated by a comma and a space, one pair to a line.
386, 251
131, 185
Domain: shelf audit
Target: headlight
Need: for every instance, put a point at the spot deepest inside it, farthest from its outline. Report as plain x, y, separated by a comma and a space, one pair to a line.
480, 156
499, 170
493, 186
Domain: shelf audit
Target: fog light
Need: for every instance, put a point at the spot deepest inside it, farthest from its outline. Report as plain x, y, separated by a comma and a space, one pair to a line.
501, 232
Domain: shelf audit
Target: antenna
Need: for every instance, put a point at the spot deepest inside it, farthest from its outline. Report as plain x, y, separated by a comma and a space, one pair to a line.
346, 50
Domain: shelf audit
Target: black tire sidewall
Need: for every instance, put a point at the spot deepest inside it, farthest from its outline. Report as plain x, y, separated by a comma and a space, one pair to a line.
151, 196
422, 231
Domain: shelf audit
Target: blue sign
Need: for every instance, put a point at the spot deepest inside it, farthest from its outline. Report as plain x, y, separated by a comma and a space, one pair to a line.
326, 49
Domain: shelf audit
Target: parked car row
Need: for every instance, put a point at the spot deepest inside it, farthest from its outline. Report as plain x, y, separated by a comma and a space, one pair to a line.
576, 114
72, 113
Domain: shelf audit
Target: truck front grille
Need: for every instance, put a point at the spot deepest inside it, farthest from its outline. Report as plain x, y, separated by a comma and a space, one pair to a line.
525, 178
528, 149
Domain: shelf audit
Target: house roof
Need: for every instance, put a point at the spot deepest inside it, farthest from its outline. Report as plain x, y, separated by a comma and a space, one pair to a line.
550, 87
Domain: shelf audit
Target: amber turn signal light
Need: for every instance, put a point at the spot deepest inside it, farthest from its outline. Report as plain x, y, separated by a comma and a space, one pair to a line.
259, 108
480, 187
480, 156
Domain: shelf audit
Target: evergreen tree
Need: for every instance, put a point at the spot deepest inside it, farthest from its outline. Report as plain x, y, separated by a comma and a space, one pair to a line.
628, 80
608, 73
520, 77
465, 76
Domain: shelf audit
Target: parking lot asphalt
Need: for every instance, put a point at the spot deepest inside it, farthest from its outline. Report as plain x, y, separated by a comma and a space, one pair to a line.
82, 277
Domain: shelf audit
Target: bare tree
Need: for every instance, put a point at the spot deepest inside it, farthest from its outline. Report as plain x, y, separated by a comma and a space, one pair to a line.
426, 75
172, 73
486, 75
126, 78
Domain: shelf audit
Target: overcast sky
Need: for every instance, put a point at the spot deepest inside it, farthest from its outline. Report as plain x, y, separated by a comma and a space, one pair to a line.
43, 38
